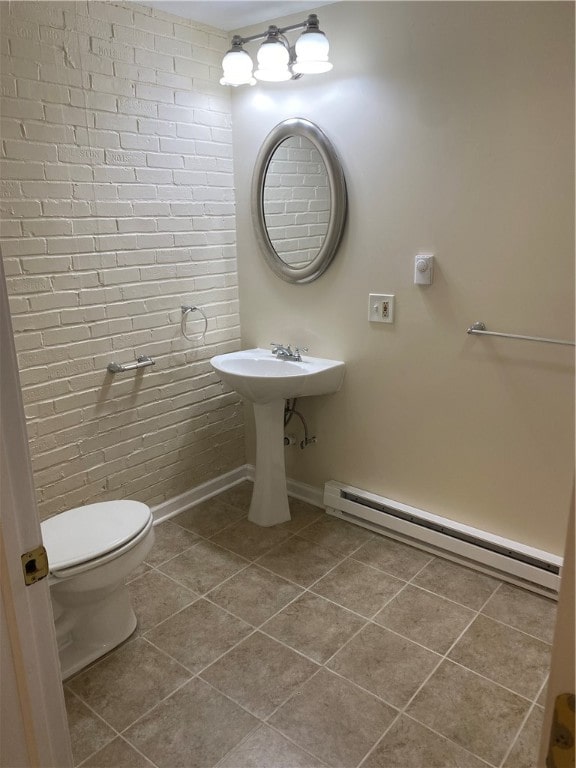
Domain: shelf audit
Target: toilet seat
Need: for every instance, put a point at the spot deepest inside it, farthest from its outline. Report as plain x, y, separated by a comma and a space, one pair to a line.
87, 536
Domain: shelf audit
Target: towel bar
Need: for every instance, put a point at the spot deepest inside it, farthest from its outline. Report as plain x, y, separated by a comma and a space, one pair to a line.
141, 362
479, 329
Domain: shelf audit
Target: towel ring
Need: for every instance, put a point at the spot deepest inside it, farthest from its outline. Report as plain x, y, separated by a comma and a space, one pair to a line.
186, 310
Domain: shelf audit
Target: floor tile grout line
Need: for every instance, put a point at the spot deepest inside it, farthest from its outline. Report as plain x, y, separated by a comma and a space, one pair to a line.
295, 692
151, 709
292, 741
230, 698
522, 696
121, 737
374, 746
289, 698
243, 740
351, 610
376, 568
444, 657
524, 721
516, 629
542, 689
218, 658
227, 610
263, 724
168, 655
437, 594
121, 732
402, 714
344, 558
377, 696
262, 719
156, 566
93, 711
423, 568
220, 583
517, 734
449, 740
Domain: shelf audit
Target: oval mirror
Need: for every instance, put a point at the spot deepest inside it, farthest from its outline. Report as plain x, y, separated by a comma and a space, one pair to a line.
298, 201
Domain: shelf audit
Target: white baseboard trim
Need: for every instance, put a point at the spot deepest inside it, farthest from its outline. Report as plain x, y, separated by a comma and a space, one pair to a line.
205, 491
296, 489
305, 492
200, 493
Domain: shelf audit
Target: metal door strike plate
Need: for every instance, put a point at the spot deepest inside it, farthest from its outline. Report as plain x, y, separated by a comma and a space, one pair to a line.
34, 565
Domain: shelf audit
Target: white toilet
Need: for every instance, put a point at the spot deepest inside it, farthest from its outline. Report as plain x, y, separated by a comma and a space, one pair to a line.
91, 550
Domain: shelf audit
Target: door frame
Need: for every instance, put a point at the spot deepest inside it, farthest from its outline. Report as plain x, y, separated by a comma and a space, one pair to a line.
32, 698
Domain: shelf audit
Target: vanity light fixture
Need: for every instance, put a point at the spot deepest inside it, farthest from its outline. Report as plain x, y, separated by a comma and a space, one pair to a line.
277, 59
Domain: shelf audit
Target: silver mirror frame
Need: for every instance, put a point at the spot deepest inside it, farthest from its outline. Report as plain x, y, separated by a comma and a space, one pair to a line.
297, 126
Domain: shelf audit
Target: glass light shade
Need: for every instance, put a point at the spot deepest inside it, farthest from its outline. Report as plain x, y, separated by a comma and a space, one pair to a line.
237, 69
273, 59
312, 53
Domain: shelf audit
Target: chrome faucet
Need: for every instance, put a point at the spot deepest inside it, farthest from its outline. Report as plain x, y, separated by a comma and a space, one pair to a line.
283, 352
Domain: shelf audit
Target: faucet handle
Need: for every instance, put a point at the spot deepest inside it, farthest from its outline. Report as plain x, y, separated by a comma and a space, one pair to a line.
298, 351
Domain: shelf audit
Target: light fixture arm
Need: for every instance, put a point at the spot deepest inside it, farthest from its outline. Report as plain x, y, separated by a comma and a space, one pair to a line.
310, 23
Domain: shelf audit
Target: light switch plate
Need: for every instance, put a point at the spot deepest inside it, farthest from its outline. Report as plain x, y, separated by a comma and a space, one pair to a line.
381, 308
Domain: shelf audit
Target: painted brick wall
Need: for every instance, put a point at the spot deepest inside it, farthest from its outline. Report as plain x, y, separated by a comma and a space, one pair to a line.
296, 200
117, 207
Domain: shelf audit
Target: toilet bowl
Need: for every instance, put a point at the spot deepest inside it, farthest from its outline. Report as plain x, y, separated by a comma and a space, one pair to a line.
91, 550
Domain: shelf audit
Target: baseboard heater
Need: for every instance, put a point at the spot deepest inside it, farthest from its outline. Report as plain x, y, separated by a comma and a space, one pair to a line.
509, 560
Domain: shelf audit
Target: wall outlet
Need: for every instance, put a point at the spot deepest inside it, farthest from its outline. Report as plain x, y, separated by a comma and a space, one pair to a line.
381, 308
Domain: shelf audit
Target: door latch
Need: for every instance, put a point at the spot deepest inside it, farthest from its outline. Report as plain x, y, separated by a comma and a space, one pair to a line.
34, 565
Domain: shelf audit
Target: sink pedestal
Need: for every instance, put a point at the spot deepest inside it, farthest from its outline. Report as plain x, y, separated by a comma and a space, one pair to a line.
267, 382
269, 505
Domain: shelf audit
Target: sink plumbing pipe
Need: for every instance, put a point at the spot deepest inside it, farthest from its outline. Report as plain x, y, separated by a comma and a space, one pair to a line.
289, 411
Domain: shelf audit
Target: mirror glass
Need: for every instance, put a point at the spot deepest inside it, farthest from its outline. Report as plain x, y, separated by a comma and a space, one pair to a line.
298, 201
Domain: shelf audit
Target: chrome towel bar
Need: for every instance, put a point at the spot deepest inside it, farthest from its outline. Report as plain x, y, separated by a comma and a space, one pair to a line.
479, 329
141, 362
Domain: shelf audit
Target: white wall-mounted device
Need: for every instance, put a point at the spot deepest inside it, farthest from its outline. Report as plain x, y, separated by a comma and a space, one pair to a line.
423, 269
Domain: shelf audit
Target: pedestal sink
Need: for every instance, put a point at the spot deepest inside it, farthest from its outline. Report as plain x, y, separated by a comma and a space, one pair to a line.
267, 381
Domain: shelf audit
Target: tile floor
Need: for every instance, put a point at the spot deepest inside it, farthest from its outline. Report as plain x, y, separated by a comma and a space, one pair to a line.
310, 644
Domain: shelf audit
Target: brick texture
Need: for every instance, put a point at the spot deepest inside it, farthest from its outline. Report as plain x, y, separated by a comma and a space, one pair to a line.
117, 207
296, 200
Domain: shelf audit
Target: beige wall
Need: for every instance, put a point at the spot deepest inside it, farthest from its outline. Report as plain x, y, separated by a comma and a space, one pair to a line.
117, 208
454, 123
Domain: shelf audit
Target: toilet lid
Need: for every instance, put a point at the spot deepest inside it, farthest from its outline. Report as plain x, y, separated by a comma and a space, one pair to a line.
85, 533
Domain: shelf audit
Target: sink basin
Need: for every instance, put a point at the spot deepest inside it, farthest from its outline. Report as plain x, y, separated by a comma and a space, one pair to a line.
260, 377
267, 382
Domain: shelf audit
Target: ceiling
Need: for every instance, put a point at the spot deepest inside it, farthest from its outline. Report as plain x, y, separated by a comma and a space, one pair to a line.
233, 14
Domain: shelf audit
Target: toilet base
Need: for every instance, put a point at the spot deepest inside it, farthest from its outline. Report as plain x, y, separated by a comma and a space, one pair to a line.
85, 632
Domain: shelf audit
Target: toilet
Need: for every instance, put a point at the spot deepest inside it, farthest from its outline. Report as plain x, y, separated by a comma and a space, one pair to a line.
91, 550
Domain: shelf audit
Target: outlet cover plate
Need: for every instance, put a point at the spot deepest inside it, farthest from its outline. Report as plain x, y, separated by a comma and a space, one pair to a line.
381, 307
